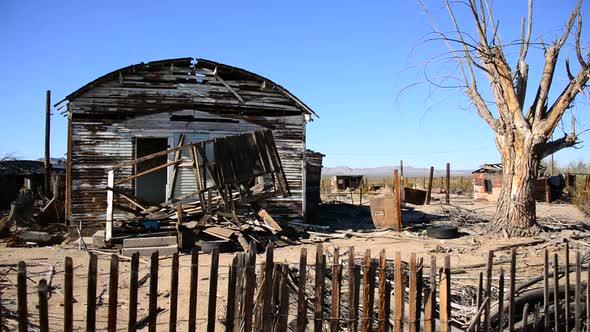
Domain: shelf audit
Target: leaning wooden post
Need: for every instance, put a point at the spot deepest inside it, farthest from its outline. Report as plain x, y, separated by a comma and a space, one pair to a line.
398, 201
173, 293
113, 293
429, 191
91, 294
399, 293
445, 296
318, 315
383, 314
21, 278
43, 310
448, 189
47, 164
68, 296
133, 288
301, 298
335, 319
153, 302
212, 306
110, 205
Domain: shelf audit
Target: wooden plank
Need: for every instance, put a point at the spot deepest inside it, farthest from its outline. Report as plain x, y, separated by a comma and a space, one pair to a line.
398, 201
212, 306
479, 299
68, 295
142, 242
511, 303
193, 292
556, 290
178, 159
383, 315
146, 172
352, 309
567, 286
414, 321
445, 296
153, 295
588, 299
230, 313
219, 232
284, 299
178, 225
429, 191
336, 268
113, 293
173, 293
430, 299
268, 220
546, 289
489, 267
448, 201
42, 291
110, 202
525, 317
367, 290
267, 289
301, 298
501, 298
133, 290
577, 294
399, 294
474, 323
91, 294
251, 285
318, 315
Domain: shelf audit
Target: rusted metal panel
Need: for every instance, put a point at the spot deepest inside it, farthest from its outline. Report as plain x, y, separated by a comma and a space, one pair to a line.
414, 196
383, 212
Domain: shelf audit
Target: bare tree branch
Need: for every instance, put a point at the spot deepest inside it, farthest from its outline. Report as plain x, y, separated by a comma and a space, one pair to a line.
566, 141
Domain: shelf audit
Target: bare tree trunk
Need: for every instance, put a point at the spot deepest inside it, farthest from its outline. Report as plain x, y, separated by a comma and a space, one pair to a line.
515, 212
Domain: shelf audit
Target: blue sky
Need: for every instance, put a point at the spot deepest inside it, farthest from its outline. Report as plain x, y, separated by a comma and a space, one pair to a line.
348, 60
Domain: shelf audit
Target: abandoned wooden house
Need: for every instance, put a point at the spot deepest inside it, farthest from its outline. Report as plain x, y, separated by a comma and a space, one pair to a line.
150, 107
487, 183
341, 183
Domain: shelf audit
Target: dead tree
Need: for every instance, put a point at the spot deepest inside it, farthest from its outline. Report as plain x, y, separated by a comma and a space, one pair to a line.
522, 132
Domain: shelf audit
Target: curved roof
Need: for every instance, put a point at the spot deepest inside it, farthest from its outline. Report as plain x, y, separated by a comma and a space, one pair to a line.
189, 62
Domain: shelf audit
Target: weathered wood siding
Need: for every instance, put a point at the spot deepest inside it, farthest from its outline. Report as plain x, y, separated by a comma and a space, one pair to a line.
110, 113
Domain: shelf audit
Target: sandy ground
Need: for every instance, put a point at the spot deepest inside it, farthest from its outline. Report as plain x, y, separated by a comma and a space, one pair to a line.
471, 248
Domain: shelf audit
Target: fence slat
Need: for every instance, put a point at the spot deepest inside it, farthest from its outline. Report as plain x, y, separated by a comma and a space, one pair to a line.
113, 293
335, 319
578, 323
525, 317
352, 309
479, 300
588, 299
546, 289
556, 290
91, 294
284, 299
153, 302
174, 291
383, 314
194, 284
399, 294
501, 298
68, 295
301, 298
414, 308
567, 286
231, 295
318, 315
250, 270
213, 290
367, 291
445, 296
133, 286
357, 295
511, 304
489, 267
430, 299
267, 289
43, 307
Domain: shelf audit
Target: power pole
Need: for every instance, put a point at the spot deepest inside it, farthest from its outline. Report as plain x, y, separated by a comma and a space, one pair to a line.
47, 178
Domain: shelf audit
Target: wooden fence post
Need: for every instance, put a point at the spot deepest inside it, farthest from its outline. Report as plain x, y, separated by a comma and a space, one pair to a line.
525, 317
399, 293
578, 314
511, 304
43, 310
445, 296
335, 319
319, 289
430, 299
194, 284
153, 302
283, 299
301, 298
173, 292
567, 286
414, 293
68, 296
556, 290
113, 293
250, 273
489, 267
398, 201
429, 191
383, 314
133, 288
91, 294
367, 293
501, 298
231, 295
448, 190
110, 206
212, 307
352, 309
267, 289
546, 289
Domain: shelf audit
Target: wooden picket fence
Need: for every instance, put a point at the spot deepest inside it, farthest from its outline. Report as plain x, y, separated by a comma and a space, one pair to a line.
280, 297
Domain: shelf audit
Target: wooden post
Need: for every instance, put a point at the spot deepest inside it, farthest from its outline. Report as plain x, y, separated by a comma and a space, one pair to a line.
267, 289
133, 288
588, 299
173, 293
212, 307
548, 191
367, 293
398, 201
525, 317
546, 289
479, 300
556, 290
448, 192
511, 304
335, 319
429, 191
301, 298
68, 296
383, 314
284, 299
230, 313
153, 302
489, 267
445, 296
47, 164
352, 309
194, 283
430, 299
567, 286
91, 294
414, 306
113, 293
21, 278
399, 293
501, 298
319, 290
43, 307
401, 171
110, 202
178, 225
250, 272
577, 294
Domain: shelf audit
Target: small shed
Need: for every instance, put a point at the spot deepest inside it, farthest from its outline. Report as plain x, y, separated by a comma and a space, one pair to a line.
487, 183
341, 183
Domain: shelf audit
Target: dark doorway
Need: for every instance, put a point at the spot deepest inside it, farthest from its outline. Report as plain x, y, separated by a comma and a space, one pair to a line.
151, 187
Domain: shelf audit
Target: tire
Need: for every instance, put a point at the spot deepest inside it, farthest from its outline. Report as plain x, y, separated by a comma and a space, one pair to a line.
442, 232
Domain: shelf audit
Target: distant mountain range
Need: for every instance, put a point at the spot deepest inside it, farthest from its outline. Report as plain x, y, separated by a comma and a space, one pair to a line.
385, 171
